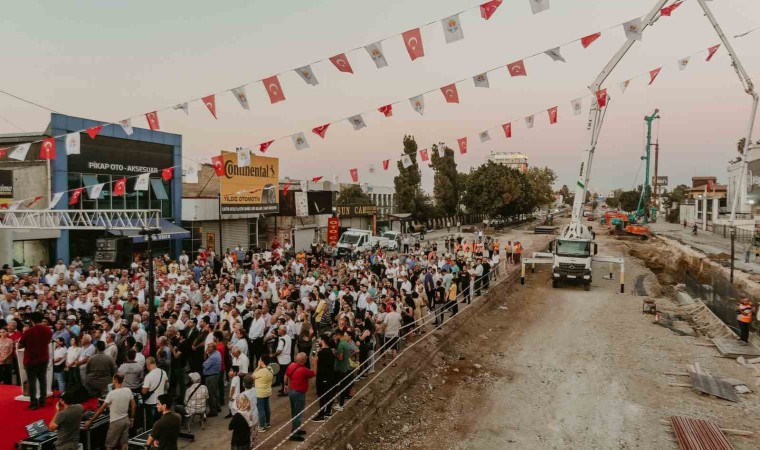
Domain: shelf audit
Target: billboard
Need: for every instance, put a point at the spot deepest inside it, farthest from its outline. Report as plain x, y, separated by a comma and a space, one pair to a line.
251, 189
333, 230
660, 181
357, 210
6, 185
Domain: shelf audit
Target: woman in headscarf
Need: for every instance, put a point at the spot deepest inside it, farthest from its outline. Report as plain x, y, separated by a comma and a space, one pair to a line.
243, 426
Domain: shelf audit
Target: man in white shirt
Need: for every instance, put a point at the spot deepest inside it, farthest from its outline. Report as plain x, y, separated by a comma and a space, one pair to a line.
241, 360
154, 384
283, 354
139, 334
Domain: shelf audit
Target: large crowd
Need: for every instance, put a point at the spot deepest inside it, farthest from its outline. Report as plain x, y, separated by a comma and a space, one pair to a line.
232, 329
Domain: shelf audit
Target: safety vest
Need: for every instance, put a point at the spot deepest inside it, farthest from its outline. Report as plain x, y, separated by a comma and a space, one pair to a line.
496, 246
745, 313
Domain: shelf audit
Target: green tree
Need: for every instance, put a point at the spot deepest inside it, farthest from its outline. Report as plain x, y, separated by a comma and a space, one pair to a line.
612, 202
493, 190
567, 196
629, 200
408, 183
540, 181
352, 195
446, 179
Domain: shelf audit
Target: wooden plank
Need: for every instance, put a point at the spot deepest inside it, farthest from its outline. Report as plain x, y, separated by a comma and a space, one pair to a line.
735, 348
698, 434
706, 383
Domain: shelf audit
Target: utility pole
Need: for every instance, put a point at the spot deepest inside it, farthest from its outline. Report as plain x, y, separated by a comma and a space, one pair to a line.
643, 208
149, 233
656, 180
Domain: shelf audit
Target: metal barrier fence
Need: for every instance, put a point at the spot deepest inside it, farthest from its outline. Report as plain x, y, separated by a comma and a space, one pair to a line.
724, 231
719, 295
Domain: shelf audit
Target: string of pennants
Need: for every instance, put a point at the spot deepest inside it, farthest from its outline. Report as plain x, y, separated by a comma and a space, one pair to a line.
632, 29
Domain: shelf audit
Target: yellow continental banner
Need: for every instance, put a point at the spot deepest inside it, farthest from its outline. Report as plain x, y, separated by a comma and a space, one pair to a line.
251, 189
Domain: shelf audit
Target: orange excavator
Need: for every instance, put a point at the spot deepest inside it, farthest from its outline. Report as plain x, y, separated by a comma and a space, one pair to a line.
620, 225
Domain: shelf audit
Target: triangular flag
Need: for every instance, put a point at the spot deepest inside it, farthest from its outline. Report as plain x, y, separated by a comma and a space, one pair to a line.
386, 164
577, 106
316, 179
354, 175
413, 43
286, 188
167, 174
183, 107
120, 187
47, 149
300, 142
633, 29
357, 122
387, 110
218, 163
73, 143
418, 103
264, 146
321, 130
210, 102
601, 98
242, 98
55, 199
668, 10
307, 75
624, 85
424, 155
539, 5
588, 40
75, 194
450, 93
529, 121
711, 52
3, 152
552, 115
126, 125
191, 176
152, 118
272, 85
95, 190
488, 8
452, 29
481, 80
94, 131
507, 127
372, 168
683, 62
34, 201
243, 157
341, 63
554, 54
19, 152
376, 53
653, 74
142, 182
517, 69
485, 136
14, 206
406, 161
462, 145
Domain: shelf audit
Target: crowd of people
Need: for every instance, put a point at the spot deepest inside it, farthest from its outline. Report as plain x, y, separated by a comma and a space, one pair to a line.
231, 330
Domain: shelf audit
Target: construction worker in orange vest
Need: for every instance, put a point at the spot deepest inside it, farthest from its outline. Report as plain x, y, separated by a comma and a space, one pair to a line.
745, 318
518, 252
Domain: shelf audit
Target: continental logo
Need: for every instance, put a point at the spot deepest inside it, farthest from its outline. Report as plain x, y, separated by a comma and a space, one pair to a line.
262, 171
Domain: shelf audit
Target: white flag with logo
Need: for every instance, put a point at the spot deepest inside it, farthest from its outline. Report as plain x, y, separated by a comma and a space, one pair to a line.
19, 152
529, 121
55, 199
308, 76
484, 136
95, 190
418, 103
683, 62
191, 176
143, 182
406, 161
244, 157
624, 85
539, 5
376, 53
299, 140
14, 206
555, 55
452, 29
183, 107
372, 168
239, 93
73, 143
126, 125
633, 29
357, 122
481, 80
577, 105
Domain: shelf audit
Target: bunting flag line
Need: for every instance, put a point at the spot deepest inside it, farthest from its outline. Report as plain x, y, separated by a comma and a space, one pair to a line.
243, 157
299, 141
183, 107
376, 53
75, 194
210, 102
218, 163
418, 104
462, 142
529, 120
668, 10
487, 9
424, 155
95, 191
517, 69
120, 187
481, 80
450, 93
413, 43
14, 206
386, 164
168, 173
633, 29
552, 115
152, 118
143, 182
588, 40
242, 98
191, 176
274, 90
47, 149
577, 106
484, 136
19, 152
683, 62
34, 201
55, 199
507, 127
452, 29
653, 74
341, 63
354, 175
307, 75
94, 131
387, 110
711, 52
320, 130
73, 143
538, 5
264, 146
555, 54
406, 161
357, 122
126, 125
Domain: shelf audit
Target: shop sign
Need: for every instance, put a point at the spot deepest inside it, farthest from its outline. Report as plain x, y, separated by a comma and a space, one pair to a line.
251, 189
357, 210
333, 230
113, 156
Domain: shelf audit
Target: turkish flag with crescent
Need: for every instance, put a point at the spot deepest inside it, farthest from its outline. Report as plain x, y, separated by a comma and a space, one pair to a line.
218, 163
588, 40
387, 110
321, 130
413, 43
354, 175
386, 164
341, 62
167, 174
517, 69
552, 115
450, 93
488, 8
152, 118
120, 187
601, 97
711, 52
462, 145
424, 155
272, 85
47, 149
210, 102
93, 131
264, 146
75, 194
507, 129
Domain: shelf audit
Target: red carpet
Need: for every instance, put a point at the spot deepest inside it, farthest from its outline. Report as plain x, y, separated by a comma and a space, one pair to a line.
14, 415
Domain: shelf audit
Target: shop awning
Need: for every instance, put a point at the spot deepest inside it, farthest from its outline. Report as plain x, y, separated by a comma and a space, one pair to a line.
168, 231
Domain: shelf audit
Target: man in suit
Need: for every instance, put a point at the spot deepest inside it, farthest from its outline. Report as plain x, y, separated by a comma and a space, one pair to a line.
194, 357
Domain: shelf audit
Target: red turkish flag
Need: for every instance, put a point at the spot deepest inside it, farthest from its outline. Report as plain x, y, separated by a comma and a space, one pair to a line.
666, 11
653, 74
120, 187
286, 188
152, 118
321, 130
93, 131
387, 110
424, 155
450, 93
462, 145
167, 174
588, 40
47, 149
75, 194
218, 163
507, 129
711, 52
272, 85
35, 200
601, 98
552, 115
354, 175
517, 69
316, 179
488, 8
386, 164
413, 43
3, 152
341, 62
264, 146
210, 102
3, 206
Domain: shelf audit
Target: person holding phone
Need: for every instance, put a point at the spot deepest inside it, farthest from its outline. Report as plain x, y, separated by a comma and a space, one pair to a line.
68, 416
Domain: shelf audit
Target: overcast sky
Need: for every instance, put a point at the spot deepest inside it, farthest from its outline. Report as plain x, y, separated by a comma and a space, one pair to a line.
116, 59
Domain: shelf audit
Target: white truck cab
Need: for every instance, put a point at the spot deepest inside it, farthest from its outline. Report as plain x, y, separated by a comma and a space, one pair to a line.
356, 240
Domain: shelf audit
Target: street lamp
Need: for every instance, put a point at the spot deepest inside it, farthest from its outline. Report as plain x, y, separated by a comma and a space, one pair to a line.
149, 233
